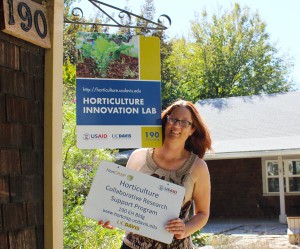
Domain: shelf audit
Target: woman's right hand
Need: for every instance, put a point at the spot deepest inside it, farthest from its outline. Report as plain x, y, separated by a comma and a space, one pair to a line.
105, 224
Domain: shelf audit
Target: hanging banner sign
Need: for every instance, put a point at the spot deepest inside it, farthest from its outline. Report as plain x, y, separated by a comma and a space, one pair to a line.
118, 92
118, 113
120, 195
26, 20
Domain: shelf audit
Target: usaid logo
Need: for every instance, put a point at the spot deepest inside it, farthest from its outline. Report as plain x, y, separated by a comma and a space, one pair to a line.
167, 189
121, 136
86, 136
94, 136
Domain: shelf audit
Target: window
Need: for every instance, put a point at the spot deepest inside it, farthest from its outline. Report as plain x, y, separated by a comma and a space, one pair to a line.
291, 175
294, 175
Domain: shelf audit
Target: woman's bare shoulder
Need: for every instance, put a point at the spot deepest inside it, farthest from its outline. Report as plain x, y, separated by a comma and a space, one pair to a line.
139, 151
199, 168
137, 158
138, 154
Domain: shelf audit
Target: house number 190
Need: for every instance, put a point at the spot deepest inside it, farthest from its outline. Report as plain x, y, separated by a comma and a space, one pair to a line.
24, 13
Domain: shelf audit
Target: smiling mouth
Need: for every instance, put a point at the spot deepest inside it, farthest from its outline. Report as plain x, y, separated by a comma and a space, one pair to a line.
175, 132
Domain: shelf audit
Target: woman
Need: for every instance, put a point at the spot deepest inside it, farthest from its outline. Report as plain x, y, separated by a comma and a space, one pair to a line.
179, 160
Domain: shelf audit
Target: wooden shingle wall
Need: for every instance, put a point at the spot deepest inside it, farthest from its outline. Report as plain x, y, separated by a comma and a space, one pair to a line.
237, 191
235, 186
21, 144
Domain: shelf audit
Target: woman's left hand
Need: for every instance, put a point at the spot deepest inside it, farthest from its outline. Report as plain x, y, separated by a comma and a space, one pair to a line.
177, 227
105, 224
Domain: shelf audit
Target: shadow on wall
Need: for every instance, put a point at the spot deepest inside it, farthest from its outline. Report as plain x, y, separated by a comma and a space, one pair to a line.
267, 210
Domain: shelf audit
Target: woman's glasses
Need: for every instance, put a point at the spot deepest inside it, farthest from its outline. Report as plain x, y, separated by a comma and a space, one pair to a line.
182, 123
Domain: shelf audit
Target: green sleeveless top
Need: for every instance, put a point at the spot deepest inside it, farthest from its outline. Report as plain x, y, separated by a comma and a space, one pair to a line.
180, 177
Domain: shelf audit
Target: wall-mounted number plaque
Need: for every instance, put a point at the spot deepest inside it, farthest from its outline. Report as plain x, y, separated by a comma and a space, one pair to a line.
26, 20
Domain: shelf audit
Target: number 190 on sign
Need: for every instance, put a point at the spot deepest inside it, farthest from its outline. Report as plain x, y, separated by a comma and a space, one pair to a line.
151, 137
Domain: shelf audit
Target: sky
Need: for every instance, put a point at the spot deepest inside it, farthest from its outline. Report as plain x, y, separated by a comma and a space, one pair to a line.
282, 19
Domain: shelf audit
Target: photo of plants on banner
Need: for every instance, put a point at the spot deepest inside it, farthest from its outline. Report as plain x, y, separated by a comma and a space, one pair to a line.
107, 56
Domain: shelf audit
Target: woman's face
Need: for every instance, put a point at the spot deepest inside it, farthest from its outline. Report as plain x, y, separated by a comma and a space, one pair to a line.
173, 129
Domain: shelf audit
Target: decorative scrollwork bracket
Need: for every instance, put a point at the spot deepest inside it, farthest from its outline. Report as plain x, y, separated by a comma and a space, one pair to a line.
77, 17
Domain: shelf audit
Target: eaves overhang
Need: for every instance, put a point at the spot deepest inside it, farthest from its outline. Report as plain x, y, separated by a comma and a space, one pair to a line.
251, 154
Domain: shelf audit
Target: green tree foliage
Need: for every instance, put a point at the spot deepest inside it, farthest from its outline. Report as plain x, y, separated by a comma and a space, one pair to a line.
127, 22
229, 55
148, 12
170, 81
79, 167
71, 29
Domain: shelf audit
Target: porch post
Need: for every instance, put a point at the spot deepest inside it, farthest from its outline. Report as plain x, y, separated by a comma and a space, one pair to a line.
53, 178
282, 216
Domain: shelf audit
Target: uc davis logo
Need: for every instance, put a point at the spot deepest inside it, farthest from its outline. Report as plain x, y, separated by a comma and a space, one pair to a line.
121, 136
